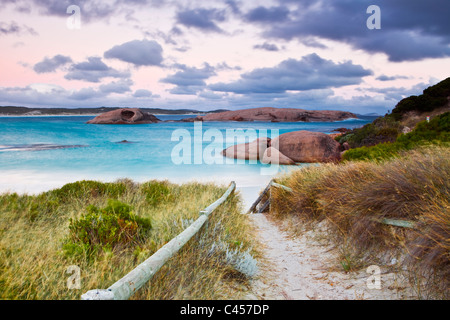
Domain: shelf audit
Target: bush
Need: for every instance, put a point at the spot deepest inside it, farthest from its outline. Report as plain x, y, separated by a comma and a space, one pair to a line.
89, 189
110, 228
380, 131
156, 192
432, 98
437, 131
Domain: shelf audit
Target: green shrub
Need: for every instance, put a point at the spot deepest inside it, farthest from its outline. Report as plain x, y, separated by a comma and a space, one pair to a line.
89, 189
380, 131
432, 98
112, 227
156, 192
437, 131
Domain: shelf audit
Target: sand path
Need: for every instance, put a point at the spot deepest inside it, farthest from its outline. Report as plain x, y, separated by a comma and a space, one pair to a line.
301, 268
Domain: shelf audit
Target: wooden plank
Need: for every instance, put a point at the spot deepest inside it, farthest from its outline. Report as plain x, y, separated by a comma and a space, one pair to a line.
207, 211
253, 207
261, 210
277, 185
133, 281
399, 223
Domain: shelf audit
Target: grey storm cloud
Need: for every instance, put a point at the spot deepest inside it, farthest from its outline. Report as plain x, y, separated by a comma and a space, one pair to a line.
410, 30
93, 70
189, 80
204, 19
121, 86
51, 64
384, 77
137, 52
267, 46
91, 10
85, 94
262, 14
311, 72
142, 93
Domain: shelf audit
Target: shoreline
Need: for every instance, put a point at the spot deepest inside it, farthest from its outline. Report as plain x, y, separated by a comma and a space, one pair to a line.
32, 182
212, 121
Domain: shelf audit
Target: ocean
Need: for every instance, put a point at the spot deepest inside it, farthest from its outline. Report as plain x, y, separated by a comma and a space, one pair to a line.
42, 153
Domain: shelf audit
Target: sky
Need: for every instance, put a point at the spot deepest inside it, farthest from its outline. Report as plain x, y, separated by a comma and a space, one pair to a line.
221, 54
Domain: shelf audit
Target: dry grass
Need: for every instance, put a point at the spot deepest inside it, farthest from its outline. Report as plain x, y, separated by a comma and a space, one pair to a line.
354, 196
34, 228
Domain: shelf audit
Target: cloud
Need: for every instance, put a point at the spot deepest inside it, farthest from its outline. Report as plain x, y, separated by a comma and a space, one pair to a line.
51, 64
86, 94
264, 15
267, 46
398, 93
142, 93
384, 77
311, 72
203, 19
91, 9
137, 52
15, 29
234, 6
55, 96
93, 70
406, 45
410, 31
120, 86
189, 80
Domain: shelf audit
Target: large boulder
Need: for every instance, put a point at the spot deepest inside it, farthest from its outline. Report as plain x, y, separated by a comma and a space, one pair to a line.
308, 147
124, 116
273, 156
248, 151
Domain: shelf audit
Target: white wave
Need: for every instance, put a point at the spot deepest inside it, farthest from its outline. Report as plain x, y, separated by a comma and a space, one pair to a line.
36, 147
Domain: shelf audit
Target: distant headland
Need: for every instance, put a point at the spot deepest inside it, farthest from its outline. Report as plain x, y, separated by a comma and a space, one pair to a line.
277, 115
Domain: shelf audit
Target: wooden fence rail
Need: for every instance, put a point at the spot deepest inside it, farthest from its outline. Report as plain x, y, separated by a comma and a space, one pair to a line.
133, 281
392, 222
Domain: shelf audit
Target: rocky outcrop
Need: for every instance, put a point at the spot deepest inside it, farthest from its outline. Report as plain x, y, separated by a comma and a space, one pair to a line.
124, 116
335, 135
345, 146
248, 151
273, 156
277, 115
288, 149
257, 150
342, 130
308, 147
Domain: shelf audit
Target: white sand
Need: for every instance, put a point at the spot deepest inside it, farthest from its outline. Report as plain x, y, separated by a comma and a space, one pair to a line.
299, 269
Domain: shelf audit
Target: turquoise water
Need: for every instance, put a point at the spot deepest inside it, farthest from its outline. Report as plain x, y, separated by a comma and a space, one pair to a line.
40, 153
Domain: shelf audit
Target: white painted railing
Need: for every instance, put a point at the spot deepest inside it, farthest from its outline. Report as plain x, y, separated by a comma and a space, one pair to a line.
133, 281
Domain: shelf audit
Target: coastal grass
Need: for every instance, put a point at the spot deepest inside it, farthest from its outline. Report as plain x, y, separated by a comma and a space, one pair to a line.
352, 199
107, 229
